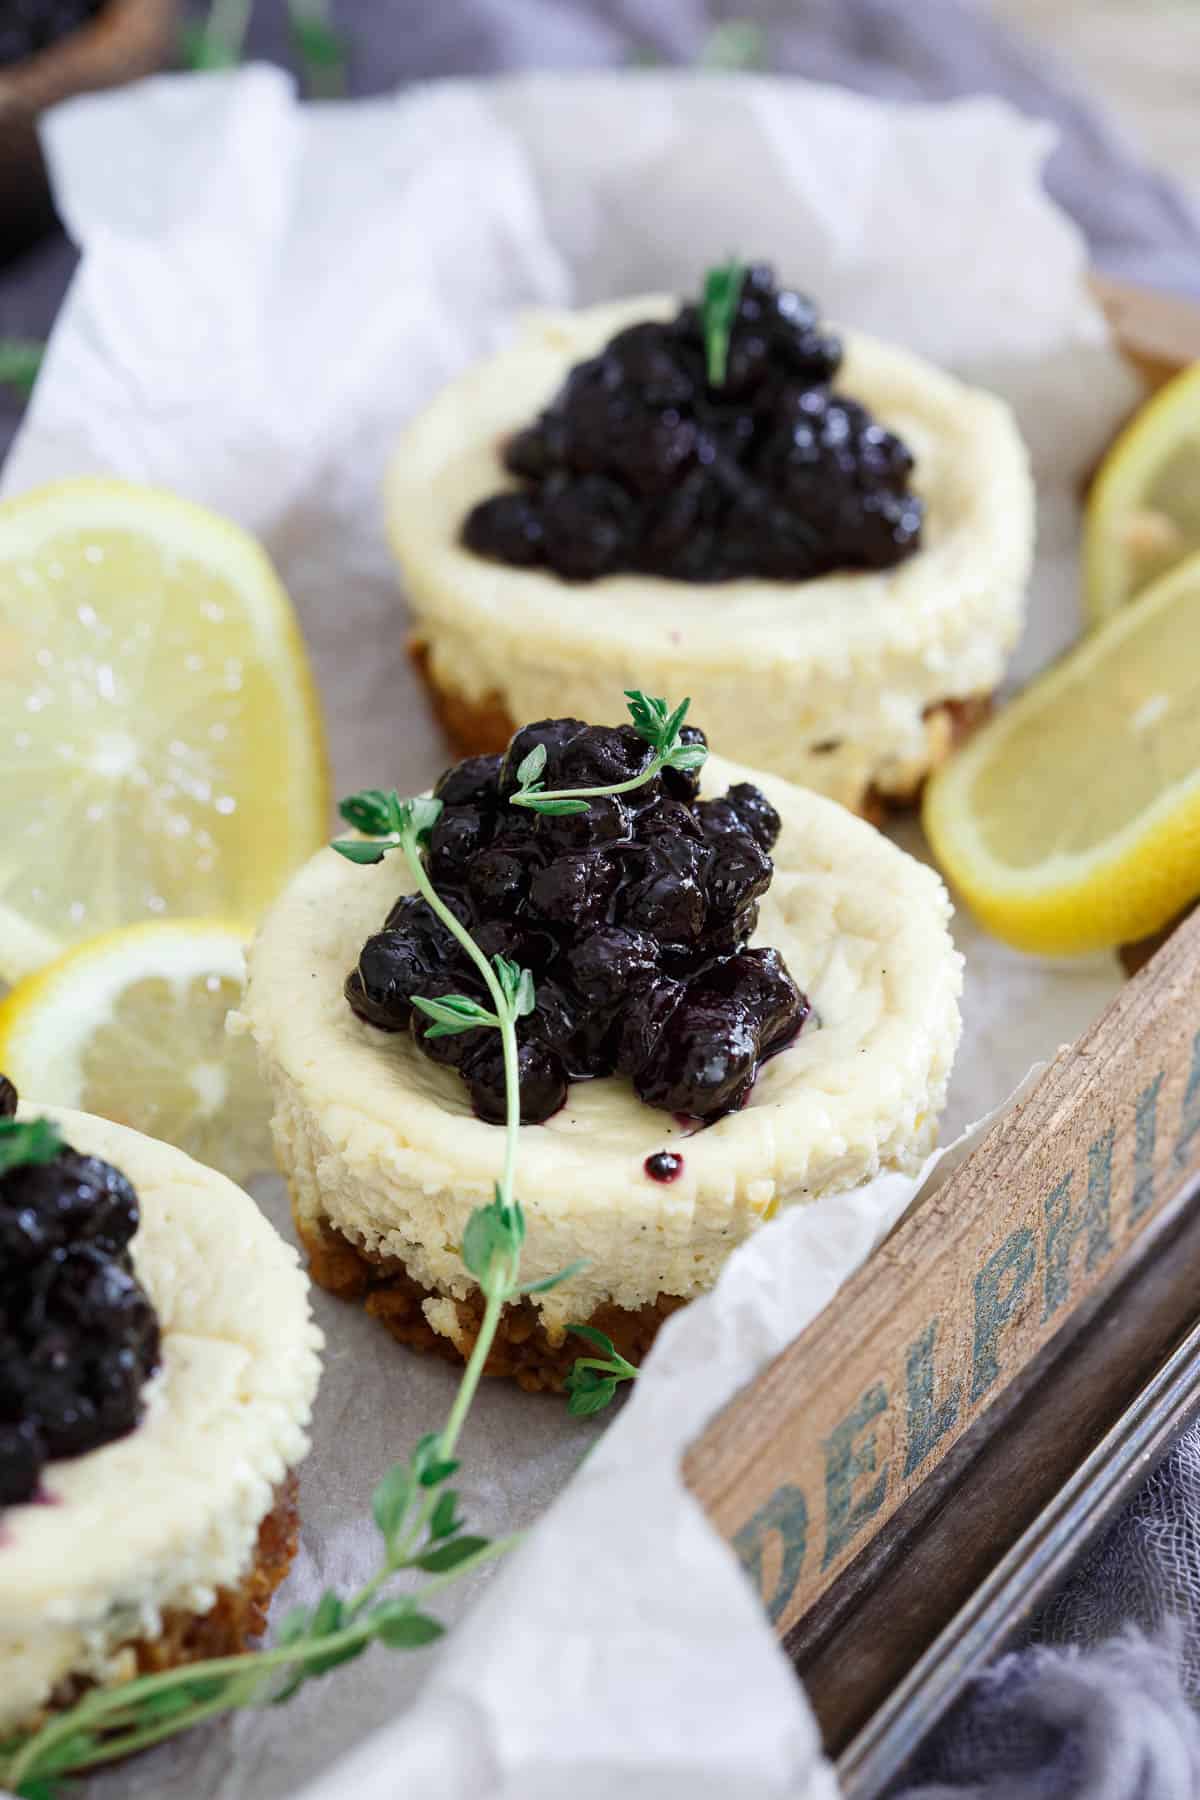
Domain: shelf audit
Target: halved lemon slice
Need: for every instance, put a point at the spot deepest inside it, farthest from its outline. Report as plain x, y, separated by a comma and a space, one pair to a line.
131, 1025
161, 747
1143, 512
1071, 822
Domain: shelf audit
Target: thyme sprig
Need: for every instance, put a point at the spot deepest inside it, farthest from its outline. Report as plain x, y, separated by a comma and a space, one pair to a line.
29, 1141
653, 720
417, 1518
718, 310
20, 360
593, 1380
414, 1508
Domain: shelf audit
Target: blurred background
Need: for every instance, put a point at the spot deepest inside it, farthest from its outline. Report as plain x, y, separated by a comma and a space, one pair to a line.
1120, 77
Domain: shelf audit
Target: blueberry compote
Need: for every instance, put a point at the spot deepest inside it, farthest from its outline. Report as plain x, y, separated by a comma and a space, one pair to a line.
633, 918
641, 463
78, 1334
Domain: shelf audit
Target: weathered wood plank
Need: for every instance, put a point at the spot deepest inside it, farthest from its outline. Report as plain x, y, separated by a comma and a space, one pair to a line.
812, 1459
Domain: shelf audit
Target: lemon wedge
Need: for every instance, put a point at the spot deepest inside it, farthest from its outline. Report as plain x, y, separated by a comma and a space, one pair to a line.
1071, 822
131, 1026
161, 746
1143, 512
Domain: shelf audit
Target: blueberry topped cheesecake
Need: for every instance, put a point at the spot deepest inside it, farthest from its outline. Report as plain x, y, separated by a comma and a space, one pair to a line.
739, 997
821, 537
157, 1368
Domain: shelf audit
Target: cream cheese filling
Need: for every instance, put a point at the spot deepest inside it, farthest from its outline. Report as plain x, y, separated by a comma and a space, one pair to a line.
162, 1518
827, 681
382, 1143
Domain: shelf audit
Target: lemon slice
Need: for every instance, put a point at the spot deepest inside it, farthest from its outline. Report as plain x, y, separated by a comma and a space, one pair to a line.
161, 748
1143, 512
1071, 822
131, 1026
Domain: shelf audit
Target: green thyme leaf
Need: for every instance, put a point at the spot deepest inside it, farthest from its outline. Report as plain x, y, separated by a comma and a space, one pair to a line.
429, 1465
20, 360
601, 1340
436, 1472
372, 811
557, 809
525, 998
327, 1615
321, 49
734, 44
39, 1787
492, 1232
294, 1625
552, 1281
593, 1381
423, 813
686, 756
531, 767
443, 1521
390, 1501
588, 1392
452, 1014
401, 1627
31, 1141
648, 715
674, 724
718, 310
448, 1556
360, 850
516, 984
380, 814
321, 1665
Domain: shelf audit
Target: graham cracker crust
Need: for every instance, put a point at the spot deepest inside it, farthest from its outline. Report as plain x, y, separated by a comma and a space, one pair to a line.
523, 1350
483, 727
239, 1616
232, 1624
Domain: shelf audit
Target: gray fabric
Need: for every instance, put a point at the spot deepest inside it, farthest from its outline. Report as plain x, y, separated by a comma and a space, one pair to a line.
1103, 1704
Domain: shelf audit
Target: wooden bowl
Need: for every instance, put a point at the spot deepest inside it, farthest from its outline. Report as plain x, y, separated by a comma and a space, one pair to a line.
126, 39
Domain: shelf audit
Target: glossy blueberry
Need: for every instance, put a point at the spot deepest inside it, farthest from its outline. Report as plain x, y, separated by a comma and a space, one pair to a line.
392, 967
632, 918
78, 1334
552, 735
497, 883
543, 1081
738, 873
640, 462
458, 835
756, 813
472, 782
684, 784
612, 962
509, 528
704, 1060
575, 890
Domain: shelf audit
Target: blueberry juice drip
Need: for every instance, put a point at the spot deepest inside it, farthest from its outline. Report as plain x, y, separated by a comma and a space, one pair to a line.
664, 1165
78, 1334
642, 463
633, 918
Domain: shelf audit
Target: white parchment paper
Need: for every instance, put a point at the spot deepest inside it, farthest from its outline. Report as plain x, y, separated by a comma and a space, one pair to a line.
267, 291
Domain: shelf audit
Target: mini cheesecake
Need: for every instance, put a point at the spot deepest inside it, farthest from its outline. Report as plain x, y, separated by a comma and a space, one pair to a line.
855, 681
166, 1543
386, 1160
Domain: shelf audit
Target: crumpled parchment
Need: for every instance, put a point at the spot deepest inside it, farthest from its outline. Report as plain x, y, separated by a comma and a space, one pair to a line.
267, 291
